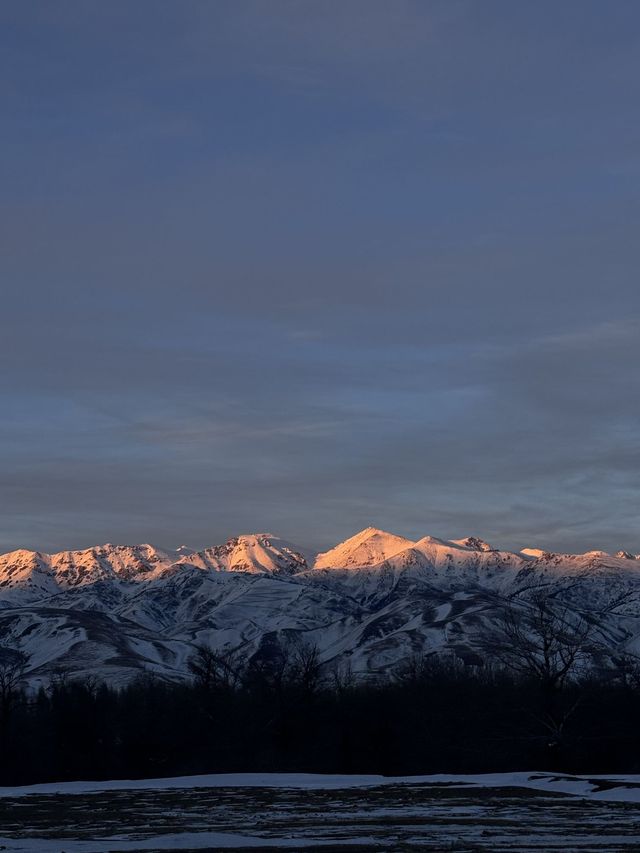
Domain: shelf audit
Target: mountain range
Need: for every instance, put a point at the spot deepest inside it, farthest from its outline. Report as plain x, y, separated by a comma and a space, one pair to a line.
370, 603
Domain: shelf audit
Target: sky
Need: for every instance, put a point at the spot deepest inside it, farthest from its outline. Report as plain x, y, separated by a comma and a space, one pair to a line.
306, 267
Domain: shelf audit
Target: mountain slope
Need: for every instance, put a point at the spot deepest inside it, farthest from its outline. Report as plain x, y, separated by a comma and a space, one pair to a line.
368, 604
367, 548
261, 552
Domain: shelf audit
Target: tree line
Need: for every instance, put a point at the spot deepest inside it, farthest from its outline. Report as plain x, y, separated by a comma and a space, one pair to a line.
547, 697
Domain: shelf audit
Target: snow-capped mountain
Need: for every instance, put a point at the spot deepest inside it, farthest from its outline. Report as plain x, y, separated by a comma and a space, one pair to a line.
369, 603
367, 548
258, 553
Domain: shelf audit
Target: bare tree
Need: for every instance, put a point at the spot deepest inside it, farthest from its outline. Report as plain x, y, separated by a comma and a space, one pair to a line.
13, 666
421, 667
413, 670
91, 684
543, 638
214, 669
59, 679
304, 666
342, 678
625, 668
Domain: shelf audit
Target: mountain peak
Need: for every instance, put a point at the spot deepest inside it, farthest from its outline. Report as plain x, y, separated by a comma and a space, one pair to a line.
536, 553
255, 553
367, 548
474, 543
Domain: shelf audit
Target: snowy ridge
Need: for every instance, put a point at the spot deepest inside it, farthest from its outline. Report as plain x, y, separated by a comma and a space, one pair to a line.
369, 603
262, 552
35, 573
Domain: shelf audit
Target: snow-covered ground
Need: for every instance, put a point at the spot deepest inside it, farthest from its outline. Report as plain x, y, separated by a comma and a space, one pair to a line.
491, 812
625, 788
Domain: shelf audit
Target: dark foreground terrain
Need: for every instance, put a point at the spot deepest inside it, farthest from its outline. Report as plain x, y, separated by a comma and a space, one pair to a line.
436, 815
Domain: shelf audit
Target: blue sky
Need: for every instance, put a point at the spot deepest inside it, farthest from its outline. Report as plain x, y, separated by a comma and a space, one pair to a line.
310, 266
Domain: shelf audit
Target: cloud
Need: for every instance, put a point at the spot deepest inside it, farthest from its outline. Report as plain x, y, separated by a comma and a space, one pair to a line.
315, 266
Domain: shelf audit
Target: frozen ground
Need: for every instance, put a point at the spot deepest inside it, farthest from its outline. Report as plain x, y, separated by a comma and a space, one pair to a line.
497, 812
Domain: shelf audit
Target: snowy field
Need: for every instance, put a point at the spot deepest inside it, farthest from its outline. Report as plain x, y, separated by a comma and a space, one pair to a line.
496, 812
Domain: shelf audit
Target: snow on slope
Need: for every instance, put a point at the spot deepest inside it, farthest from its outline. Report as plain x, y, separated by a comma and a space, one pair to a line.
465, 561
374, 565
367, 548
370, 603
260, 552
31, 574
34, 573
